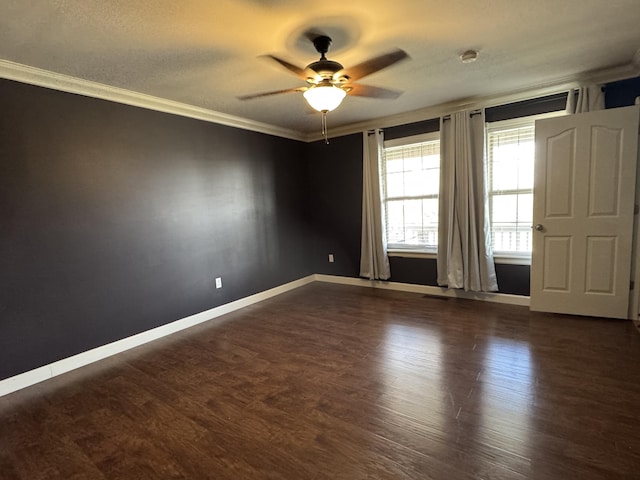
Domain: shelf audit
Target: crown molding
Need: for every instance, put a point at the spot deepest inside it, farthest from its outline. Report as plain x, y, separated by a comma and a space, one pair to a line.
559, 85
65, 83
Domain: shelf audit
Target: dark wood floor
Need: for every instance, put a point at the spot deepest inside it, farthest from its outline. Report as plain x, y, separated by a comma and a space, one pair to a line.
335, 382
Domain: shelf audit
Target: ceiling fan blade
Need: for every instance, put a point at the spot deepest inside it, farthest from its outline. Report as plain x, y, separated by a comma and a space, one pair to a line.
276, 92
374, 64
297, 71
358, 90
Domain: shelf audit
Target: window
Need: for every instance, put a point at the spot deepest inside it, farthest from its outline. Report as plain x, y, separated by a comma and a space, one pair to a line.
510, 158
511, 150
410, 171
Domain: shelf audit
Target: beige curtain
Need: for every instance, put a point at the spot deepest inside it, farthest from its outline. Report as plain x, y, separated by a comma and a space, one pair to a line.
585, 99
374, 263
465, 257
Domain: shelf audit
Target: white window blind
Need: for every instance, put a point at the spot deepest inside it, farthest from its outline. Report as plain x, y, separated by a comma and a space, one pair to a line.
411, 182
511, 154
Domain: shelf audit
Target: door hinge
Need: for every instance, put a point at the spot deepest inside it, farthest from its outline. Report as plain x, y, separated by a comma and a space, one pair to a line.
632, 284
636, 209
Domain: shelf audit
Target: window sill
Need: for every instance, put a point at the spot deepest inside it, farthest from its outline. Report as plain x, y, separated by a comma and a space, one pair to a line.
512, 259
412, 253
498, 259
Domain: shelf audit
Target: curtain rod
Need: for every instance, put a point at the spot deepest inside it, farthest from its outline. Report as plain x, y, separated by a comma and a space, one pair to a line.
444, 117
472, 113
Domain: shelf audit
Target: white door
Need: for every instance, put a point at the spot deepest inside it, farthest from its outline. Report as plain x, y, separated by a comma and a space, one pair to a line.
583, 211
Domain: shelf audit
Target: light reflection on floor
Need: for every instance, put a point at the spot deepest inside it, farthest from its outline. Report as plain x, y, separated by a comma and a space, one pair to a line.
507, 383
412, 377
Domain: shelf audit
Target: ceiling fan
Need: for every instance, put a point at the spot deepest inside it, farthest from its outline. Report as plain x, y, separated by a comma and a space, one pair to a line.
329, 82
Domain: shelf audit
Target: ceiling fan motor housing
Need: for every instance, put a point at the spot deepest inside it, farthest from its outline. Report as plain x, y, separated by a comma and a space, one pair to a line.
322, 43
325, 68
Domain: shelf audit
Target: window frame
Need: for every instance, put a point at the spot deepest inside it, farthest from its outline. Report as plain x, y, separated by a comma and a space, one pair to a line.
397, 250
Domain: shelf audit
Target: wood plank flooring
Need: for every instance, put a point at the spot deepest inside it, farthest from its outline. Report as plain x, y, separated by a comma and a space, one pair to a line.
336, 382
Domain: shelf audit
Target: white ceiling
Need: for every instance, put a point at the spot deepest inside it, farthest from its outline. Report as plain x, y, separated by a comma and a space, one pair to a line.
206, 53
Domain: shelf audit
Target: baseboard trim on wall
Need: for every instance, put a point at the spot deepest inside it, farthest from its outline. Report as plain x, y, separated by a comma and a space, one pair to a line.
51, 370
427, 290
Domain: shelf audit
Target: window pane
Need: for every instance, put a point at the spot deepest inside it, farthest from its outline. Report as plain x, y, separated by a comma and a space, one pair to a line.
432, 175
395, 184
525, 172
412, 164
511, 219
394, 165
430, 222
505, 168
511, 154
415, 183
505, 209
413, 221
431, 161
525, 208
395, 222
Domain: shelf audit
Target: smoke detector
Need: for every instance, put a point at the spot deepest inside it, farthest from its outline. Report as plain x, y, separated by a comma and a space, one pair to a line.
469, 56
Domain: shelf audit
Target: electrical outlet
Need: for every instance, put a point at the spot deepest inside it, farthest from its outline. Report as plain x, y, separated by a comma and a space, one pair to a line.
218, 282
331, 258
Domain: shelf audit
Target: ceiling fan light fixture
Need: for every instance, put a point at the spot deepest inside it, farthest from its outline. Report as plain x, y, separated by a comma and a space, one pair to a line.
324, 98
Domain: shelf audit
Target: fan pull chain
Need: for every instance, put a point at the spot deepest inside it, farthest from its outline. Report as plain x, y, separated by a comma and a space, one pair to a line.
325, 132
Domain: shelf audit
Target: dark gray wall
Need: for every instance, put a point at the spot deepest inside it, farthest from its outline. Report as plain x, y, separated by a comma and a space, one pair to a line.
622, 93
116, 219
335, 198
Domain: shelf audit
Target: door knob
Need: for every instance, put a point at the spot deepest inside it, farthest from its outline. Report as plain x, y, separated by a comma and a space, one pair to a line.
539, 227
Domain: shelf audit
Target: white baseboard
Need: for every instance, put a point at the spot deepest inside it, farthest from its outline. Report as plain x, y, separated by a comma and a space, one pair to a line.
426, 290
46, 372
51, 370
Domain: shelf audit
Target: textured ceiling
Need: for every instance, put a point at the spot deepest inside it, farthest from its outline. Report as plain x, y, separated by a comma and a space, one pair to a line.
207, 53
